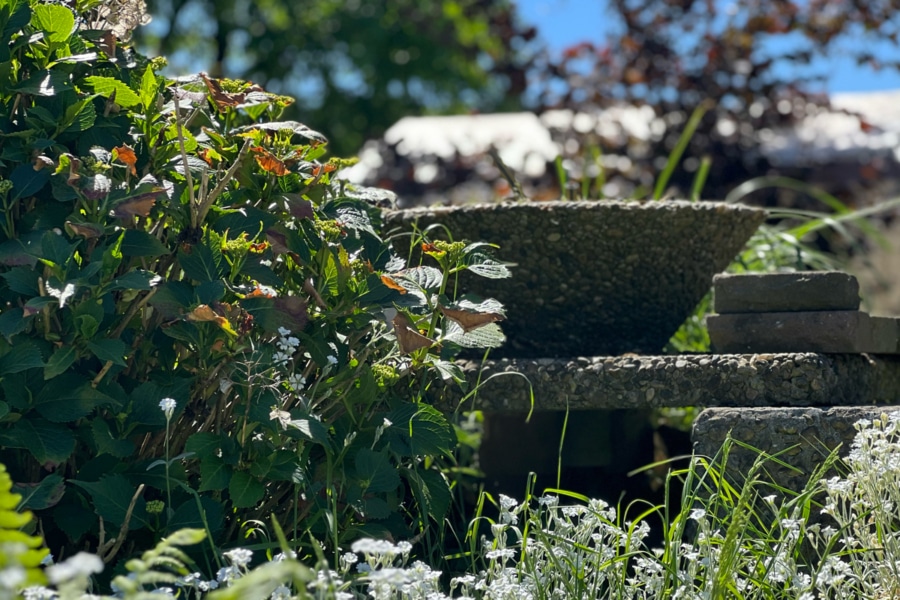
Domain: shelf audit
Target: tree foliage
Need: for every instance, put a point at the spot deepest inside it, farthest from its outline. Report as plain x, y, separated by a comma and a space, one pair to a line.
355, 67
758, 63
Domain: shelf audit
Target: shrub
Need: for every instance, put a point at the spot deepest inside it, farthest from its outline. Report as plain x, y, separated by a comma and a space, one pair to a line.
200, 325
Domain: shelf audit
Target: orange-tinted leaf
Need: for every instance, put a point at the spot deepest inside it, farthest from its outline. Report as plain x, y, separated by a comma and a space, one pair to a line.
392, 284
220, 97
202, 313
259, 248
326, 168
261, 292
139, 205
470, 320
269, 162
431, 249
125, 155
408, 338
85, 230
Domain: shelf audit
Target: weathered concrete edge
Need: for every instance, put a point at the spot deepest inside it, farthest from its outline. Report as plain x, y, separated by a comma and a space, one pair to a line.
739, 380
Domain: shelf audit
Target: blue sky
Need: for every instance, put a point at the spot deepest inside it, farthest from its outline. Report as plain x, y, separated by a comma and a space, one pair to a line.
565, 22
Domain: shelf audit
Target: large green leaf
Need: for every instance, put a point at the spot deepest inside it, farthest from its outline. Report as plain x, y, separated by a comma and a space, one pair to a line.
111, 496
26, 181
13, 321
149, 88
203, 443
245, 490
431, 491
136, 280
24, 355
107, 86
45, 83
419, 430
61, 359
48, 442
44, 494
203, 263
109, 350
56, 21
376, 472
188, 515
106, 443
67, 398
22, 280
214, 473
140, 243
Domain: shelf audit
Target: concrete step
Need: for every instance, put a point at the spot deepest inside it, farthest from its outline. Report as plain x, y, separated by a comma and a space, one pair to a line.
632, 381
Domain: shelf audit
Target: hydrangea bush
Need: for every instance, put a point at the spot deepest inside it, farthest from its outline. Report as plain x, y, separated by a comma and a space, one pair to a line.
201, 326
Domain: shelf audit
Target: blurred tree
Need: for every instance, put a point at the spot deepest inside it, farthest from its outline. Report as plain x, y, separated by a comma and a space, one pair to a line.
743, 56
355, 66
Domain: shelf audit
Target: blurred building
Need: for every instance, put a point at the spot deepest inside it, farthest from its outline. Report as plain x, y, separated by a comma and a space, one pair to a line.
851, 151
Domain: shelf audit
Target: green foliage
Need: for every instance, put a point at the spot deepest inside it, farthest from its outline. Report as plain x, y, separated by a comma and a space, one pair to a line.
200, 325
20, 553
357, 67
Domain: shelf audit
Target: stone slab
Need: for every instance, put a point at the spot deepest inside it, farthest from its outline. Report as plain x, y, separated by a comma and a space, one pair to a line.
820, 331
632, 381
783, 292
802, 436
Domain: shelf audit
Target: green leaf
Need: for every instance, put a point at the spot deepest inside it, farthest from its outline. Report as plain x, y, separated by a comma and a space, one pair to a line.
4, 409
111, 497
149, 88
188, 515
203, 263
140, 243
56, 250
45, 83
431, 491
172, 299
27, 182
136, 280
486, 336
449, 371
61, 359
42, 495
110, 350
245, 490
214, 474
49, 443
106, 443
24, 355
427, 278
22, 280
79, 116
106, 86
311, 429
12, 321
56, 21
375, 508
376, 472
203, 444
491, 269
67, 398
74, 520
419, 430
14, 15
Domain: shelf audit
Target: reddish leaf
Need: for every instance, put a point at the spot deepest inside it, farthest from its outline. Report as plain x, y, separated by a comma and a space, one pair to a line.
408, 338
125, 155
470, 320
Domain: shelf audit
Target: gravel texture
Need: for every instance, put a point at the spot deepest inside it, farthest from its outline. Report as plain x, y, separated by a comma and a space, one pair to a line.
806, 435
596, 278
753, 380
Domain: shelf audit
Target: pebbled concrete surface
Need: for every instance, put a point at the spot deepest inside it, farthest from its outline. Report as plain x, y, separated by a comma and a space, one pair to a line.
724, 380
595, 278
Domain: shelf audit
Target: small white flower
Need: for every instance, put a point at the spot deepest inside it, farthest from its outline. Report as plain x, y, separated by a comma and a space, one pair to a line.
11, 577
281, 358
282, 592
331, 360
296, 381
239, 557
80, 565
167, 405
284, 332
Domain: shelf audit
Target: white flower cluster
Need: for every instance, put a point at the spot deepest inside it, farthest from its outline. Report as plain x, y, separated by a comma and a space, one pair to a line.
287, 346
717, 547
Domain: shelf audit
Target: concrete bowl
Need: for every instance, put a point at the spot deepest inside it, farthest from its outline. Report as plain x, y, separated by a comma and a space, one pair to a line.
594, 277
